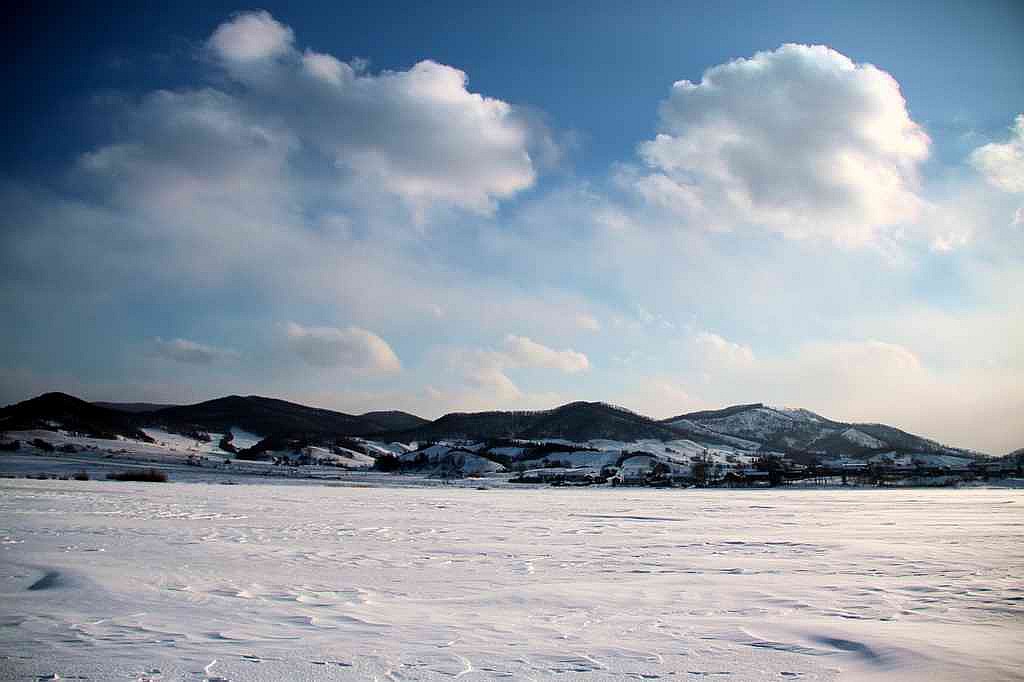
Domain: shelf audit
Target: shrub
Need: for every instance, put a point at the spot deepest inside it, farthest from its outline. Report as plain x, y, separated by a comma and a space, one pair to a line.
387, 463
42, 445
143, 475
81, 476
226, 445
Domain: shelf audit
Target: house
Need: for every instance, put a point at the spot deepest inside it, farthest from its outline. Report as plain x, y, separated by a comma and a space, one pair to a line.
560, 475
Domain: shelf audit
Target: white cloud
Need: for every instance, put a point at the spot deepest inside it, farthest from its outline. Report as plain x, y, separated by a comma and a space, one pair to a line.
800, 139
419, 134
223, 196
1002, 164
480, 380
949, 242
660, 397
250, 36
492, 382
350, 348
477, 380
588, 322
184, 350
719, 351
526, 352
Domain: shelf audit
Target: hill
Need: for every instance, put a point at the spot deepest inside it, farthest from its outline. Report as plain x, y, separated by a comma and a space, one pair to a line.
394, 420
578, 421
133, 408
263, 416
60, 410
748, 427
800, 430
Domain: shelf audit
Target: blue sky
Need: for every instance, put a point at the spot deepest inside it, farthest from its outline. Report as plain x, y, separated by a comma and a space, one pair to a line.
454, 207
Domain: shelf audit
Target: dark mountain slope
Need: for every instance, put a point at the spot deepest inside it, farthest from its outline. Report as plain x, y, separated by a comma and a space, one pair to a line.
584, 421
51, 410
133, 408
579, 421
263, 416
394, 420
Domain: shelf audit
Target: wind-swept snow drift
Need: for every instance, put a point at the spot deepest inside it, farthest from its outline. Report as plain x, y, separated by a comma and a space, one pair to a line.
269, 582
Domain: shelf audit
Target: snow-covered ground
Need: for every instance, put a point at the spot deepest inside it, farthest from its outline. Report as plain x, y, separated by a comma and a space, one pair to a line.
860, 438
270, 581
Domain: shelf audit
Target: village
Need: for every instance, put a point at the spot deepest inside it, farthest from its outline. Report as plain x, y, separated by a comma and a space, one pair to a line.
773, 470
663, 465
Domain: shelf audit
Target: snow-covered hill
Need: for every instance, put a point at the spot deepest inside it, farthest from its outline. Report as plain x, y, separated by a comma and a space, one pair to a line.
801, 430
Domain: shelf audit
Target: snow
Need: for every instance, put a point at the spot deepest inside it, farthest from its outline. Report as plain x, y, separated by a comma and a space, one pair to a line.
435, 451
680, 451
243, 439
703, 429
860, 438
432, 453
925, 458
341, 456
800, 414
474, 465
577, 458
941, 460
760, 423
267, 581
168, 446
508, 451
377, 449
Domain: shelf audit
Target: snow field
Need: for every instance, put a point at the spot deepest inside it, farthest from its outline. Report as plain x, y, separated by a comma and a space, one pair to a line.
271, 581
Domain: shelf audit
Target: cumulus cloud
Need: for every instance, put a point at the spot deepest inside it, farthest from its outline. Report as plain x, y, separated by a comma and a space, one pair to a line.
526, 352
351, 348
1002, 164
289, 182
719, 351
478, 380
491, 381
251, 35
191, 352
482, 378
800, 139
419, 134
236, 186
190, 150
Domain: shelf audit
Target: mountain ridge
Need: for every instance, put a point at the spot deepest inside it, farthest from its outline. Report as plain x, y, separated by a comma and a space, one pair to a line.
749, 426
801, 430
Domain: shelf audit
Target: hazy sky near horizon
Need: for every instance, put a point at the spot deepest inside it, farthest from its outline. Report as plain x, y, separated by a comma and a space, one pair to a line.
446, 207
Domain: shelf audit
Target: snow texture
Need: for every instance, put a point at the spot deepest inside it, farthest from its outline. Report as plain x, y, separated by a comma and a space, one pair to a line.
107, 580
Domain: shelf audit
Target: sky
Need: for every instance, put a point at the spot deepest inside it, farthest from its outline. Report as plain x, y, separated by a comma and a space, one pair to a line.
441, 207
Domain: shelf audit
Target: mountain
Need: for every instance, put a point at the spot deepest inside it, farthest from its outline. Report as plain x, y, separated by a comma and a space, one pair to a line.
750, 427
52, 410
265, 416
801, 430
132, 408
578, 421
394, 420
1016, 457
